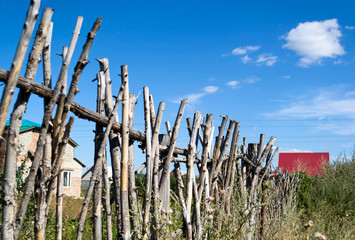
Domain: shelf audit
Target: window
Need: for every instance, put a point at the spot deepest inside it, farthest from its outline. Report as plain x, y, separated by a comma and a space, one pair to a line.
66, 179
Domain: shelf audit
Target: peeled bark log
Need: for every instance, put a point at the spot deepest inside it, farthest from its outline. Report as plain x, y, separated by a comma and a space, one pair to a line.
98, 139
83, 112
107, 200
148, 152
166, 168
156, 163
39, 149
97, 168
190, 160
124, 162
133, 194
217, 146
9, 202
114, 139
55, 136
16, 66
185, 213
205, 144
73, 87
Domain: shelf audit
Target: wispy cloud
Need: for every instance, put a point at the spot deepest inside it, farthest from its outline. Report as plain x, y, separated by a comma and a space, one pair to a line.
349, 27
233, 84
263, 59
325, 104
245, 59
251, 80
315, 40
244, 50
286, 77
195, 97
267, 59
210, 89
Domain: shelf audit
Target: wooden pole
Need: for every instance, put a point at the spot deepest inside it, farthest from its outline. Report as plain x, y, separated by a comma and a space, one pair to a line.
55, 136
114, 139
148, 152
206, 140
107, 199
83, 112
46, 55
98, 135
97, 167
9, 183
16, 66
83, 60
190, 160
217, 146
37, 157
185, 213
124, 157
166, 167
155, 149
133, 195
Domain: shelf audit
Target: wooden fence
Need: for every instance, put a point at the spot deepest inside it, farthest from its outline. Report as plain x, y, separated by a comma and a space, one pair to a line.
220, 171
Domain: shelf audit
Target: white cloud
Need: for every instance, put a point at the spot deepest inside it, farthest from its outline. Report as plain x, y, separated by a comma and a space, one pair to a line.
233, 84
267, 59
251, 80
286, 77
210, 89
245, 59
195, 97
315, 40
349, 27
338, 129
245, 50
323, 105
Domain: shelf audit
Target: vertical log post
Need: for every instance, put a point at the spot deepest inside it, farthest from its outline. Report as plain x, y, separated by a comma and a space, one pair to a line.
217, 146
124, 162
97, 167
206, 139
114, 139
190, 160
133, 195
148, 151
166, 167
9, 191
55, 136
98, 139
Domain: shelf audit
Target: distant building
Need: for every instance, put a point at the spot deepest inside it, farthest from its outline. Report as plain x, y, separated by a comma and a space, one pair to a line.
311, 163
29, 134
85, 179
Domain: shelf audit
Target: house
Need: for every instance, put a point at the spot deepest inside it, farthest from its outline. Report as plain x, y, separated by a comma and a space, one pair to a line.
311, 163
29, 133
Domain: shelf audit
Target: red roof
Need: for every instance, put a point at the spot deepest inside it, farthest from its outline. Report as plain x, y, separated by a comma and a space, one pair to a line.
309, 162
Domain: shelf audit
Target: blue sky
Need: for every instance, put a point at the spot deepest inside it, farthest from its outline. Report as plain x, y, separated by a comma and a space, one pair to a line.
278, 67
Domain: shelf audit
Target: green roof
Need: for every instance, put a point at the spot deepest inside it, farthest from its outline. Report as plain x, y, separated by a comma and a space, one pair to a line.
26, 124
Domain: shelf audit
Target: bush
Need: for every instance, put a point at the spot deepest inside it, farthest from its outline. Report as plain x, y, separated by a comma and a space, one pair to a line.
329, 199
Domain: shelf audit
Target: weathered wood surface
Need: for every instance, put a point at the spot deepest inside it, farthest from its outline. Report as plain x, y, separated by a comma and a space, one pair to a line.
9, 203
82, 112
225, 172
148, 160
16, 66
126, 234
